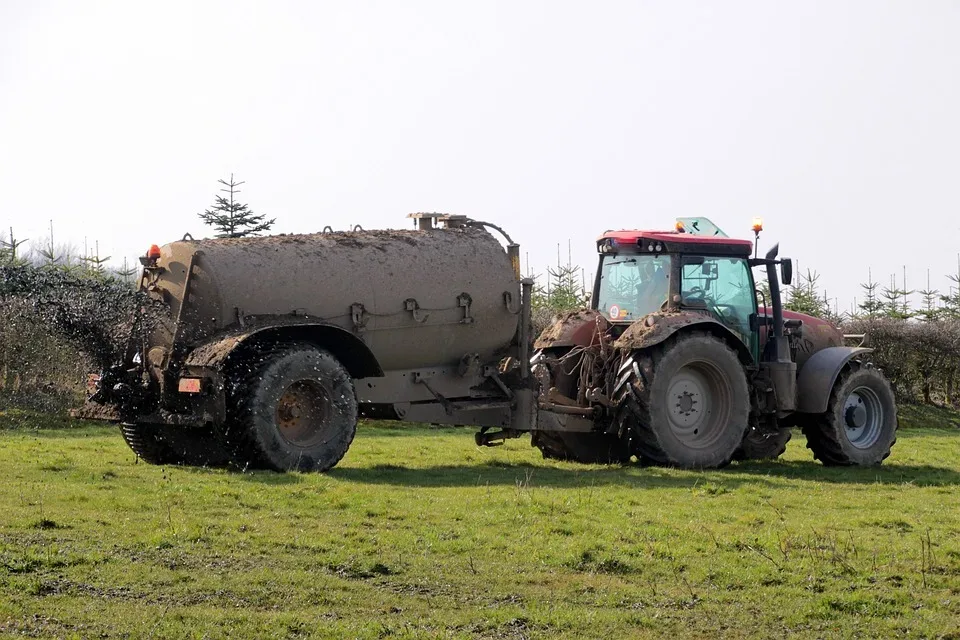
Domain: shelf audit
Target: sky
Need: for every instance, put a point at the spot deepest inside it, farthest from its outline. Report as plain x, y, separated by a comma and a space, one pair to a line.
838, 122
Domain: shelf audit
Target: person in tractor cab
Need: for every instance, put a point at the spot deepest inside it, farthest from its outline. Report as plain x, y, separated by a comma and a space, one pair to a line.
653, 288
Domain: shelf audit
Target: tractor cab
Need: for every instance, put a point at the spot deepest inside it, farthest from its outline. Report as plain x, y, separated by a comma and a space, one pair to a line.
694, 268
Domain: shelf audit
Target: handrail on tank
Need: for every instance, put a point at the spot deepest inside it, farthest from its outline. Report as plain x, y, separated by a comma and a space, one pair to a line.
480, 223
513, 249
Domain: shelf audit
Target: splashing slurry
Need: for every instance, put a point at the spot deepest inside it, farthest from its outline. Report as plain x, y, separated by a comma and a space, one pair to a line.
93, 312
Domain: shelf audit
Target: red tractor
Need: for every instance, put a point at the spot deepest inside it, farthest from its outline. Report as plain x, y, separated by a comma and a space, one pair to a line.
689, 370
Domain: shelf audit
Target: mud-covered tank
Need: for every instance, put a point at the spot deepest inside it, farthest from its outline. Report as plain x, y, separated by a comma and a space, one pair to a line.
265, 351
416, 298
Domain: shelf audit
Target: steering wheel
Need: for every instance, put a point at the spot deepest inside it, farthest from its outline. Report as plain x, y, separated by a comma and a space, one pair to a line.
728, 310
696, 294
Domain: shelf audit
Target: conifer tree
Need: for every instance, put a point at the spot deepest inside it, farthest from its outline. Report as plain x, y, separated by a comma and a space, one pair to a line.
9, 248
930, 312
871, 306
951, 301
233, 219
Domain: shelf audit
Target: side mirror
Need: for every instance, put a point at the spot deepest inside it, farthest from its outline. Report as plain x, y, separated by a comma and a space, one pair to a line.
786, 271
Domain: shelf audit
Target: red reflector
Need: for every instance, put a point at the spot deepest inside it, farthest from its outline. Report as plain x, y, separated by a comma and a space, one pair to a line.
189, 385
153, 252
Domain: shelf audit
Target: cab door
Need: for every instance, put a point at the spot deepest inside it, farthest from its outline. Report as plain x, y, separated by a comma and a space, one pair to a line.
724, 287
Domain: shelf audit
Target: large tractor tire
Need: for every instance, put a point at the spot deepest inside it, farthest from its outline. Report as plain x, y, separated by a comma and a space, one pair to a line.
586, 448
691, 408
759, 445
168, 444
860, 425
293, 410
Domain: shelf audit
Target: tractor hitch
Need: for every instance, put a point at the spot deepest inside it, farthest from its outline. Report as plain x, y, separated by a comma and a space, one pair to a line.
485, 438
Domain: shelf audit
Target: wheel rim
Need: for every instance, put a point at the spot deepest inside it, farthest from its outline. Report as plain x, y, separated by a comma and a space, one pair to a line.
699, 405
303, 413
863, 417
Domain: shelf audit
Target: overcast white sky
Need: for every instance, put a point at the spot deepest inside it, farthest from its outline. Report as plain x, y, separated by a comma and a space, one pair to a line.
838, 122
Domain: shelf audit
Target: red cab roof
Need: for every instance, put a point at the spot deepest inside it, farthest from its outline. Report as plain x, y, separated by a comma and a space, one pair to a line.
671, 237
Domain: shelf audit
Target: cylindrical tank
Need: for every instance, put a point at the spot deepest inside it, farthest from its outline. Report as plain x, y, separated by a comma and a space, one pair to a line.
417, 298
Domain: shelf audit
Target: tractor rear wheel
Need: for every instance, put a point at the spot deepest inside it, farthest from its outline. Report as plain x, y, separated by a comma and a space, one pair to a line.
860, 425
759, 445
169, 444
692, 407
587, 448
296, 410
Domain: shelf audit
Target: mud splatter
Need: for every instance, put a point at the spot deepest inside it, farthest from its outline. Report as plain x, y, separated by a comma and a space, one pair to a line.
95, 313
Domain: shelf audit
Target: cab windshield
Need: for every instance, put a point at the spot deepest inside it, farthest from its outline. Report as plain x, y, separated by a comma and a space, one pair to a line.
630, 287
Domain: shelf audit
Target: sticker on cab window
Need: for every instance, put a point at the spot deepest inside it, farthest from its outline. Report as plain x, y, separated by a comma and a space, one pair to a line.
616, 312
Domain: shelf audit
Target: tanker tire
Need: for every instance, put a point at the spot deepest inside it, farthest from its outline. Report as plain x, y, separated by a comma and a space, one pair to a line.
586, 448
692, 363
295, 409
758, 445
168, 444
830, 439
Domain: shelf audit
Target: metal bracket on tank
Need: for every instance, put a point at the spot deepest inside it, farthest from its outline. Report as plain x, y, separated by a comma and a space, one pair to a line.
357, 316
512, 309
411, 305
464, 300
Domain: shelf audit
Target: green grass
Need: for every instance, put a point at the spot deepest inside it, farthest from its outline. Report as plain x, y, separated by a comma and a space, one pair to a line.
418, 533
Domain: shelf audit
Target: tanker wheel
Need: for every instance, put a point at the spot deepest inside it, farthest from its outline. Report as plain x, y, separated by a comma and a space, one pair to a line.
295, 411
860, 425
587, 448
694, 409
168, 444
759, 445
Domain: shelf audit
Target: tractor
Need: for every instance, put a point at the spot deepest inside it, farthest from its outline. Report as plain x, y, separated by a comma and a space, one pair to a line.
682, 361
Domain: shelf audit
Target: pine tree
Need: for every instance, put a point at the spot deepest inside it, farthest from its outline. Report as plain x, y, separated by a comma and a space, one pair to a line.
895, 300
9, 249
804, 297
871, 306
231, 218
49, 251
127, 272
929, 312
951, 301
565, 288
95, 264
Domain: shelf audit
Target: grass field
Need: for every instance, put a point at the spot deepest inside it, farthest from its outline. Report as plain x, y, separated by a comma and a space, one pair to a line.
418, 533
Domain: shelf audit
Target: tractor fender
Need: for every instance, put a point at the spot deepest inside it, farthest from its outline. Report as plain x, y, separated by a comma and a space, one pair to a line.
580, 328
350, 350
655, 328
818, 375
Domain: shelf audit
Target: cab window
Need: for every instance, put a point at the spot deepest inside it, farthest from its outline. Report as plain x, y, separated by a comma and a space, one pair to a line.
723, 287
632, 286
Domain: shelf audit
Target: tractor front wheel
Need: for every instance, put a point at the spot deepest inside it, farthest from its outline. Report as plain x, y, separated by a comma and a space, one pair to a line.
860, 425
